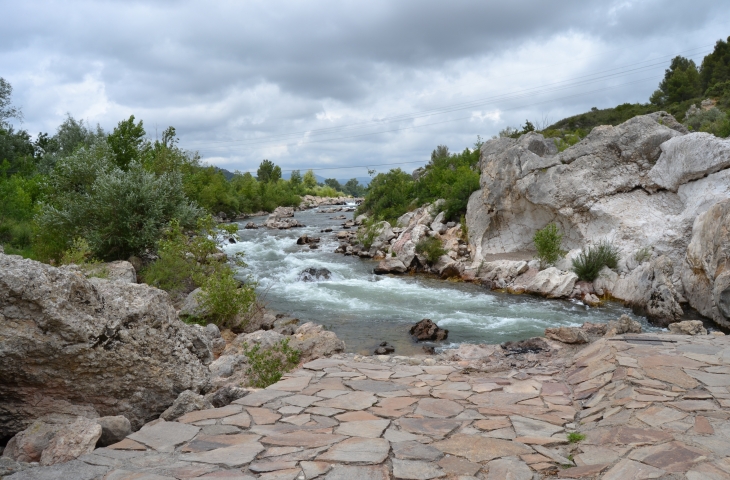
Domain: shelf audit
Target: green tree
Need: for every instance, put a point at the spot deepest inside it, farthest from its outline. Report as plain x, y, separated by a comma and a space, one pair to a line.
268, 172
309, 180
295, 180
7, 110
681, 82
333, 183
126, 142
353, 187
716, 66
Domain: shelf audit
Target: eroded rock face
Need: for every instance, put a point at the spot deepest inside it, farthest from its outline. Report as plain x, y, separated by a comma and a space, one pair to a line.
90, 347
640, 184
706, 271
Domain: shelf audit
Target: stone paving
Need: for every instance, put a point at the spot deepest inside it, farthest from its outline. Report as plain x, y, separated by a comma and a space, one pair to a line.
648, 409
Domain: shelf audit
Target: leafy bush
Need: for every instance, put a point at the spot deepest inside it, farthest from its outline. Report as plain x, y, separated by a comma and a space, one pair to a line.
368, 232
710, 121
267, 365
548, 242
187, 262
226, 300
431, 248
590, 261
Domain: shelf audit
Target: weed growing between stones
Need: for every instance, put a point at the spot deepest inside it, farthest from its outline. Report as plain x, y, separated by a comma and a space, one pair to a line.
267, 365
548, 242
643, 254
575, 437
590, 261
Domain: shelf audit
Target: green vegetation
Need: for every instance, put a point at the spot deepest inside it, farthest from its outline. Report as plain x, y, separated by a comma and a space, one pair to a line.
267, 365
590, 261
683, 85
431, 248
187, 262
368, 232
118, 190
643, 254
453, 177
575, 437
548, 242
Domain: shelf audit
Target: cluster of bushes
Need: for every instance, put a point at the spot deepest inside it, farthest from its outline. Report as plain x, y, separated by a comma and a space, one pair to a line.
589, 262
453, 177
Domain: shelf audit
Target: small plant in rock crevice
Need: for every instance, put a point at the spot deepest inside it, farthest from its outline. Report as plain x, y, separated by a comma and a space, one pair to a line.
643, 254
431, 248
369, 231
548, 242
588, 264
575, 437
267, 365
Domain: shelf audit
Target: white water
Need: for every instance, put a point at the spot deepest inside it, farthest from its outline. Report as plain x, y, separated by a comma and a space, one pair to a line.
365, 309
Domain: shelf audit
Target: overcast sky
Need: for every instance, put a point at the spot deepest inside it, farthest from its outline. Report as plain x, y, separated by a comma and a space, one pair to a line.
317, 84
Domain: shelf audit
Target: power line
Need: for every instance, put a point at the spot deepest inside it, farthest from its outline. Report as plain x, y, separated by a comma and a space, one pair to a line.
460, 106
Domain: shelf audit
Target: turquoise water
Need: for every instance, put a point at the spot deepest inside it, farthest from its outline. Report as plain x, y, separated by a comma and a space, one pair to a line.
365, 309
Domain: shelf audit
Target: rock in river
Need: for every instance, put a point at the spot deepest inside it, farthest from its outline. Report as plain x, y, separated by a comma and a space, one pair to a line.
426, 330
313, 274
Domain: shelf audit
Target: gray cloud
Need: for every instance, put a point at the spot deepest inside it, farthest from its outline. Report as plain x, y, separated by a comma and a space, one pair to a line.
227, 73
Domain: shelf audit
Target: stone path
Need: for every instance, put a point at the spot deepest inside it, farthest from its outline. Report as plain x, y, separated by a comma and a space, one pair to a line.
648, 409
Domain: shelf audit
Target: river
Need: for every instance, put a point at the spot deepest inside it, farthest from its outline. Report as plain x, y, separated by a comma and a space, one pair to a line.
365, 309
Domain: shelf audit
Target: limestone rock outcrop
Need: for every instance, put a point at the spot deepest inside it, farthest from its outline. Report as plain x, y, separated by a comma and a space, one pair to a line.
90, 347
282, 218
640, 184
706, 271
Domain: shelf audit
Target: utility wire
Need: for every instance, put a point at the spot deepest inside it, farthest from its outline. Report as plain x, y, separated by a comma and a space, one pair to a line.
460, 106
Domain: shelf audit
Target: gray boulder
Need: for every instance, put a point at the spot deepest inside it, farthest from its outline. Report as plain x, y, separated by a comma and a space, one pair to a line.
650, 289
552, 283
390, 265
97, 347
500, 273
113, 429
72, 441
706, 271
623, 325
567, 335
119, 271
188, 401
688, 158
688, 327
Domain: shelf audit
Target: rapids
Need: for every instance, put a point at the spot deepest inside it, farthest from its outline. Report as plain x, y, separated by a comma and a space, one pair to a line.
365, 309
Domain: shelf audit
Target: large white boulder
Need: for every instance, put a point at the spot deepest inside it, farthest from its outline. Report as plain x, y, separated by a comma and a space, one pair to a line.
90, 347
688, 158
706, 272
552, 283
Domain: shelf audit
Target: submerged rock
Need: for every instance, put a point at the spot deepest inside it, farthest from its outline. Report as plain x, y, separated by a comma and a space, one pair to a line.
313, 274
384, 349
98, 347
426, 330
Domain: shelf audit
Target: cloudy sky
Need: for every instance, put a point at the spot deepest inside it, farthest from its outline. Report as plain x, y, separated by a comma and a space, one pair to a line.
325, 84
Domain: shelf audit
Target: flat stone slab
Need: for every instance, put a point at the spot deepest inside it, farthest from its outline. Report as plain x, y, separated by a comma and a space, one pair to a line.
366, 428
512, 468
350, 401
480, 449
234, 456
302, 439
211, 413
164, 436
258, 398
412, 450
350, 472
358, 450
438, 408
528, 427
415, 470
375, 386
435, 427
